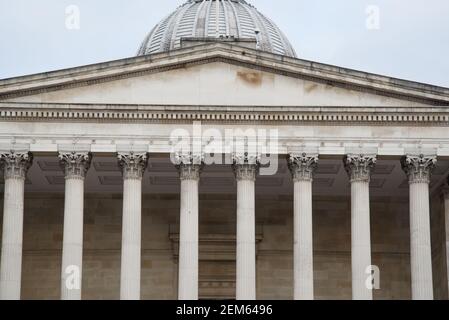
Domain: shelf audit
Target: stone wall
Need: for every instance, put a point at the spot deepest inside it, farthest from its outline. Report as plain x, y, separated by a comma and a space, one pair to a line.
332, 256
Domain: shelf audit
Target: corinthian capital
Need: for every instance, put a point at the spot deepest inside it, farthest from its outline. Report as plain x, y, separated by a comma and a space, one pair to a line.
75, 164
302, 166
245, 166
15, 164
359, 166
418, 168
133, 164
189, 165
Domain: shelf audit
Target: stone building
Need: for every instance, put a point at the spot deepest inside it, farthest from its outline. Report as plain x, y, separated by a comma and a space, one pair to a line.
97, 205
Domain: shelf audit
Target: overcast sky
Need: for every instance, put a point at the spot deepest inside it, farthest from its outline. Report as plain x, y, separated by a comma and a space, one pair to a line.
410, 41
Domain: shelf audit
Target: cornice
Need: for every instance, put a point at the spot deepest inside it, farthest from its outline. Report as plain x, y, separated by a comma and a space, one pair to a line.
223, 52
435, 116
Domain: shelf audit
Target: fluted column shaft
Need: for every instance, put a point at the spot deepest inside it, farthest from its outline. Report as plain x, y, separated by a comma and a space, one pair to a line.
359, 169
420, 254
360, 239
246, 241
302, 168
418, 170
14, 166
189, 173
245, 171
75, 166
133, 167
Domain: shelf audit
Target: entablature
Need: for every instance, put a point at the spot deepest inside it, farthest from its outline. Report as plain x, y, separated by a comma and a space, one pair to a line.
438, 116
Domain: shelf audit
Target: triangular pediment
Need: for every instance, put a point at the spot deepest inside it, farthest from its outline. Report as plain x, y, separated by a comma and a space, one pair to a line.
219, 74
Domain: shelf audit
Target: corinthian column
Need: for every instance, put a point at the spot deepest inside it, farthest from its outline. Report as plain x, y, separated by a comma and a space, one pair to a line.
14, 166
302, 168
359, 170
189, 168
75, 166
133, 167
419, 170
245, 169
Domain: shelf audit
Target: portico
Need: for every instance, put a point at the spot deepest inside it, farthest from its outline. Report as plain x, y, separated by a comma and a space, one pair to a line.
300, 208
87, 164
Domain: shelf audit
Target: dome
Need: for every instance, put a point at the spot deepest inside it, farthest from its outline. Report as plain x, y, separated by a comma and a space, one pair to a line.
216, 19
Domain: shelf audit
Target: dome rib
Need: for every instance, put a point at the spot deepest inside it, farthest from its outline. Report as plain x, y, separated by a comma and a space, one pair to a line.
264, 39
200, 20
216, 19
179, 18
206, 27
184, 25
236, 19
227, 18
164, 44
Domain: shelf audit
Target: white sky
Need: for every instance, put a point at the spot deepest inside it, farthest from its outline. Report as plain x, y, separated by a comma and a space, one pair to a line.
412, 42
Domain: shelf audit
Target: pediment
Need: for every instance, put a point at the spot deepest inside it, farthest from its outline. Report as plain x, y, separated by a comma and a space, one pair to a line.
222, 75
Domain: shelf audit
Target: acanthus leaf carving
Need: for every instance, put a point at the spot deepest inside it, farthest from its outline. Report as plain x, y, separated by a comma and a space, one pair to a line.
15, 165
302, 166
359, 166
133, 165
75, 164
245, 166
189, 165
418, 168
